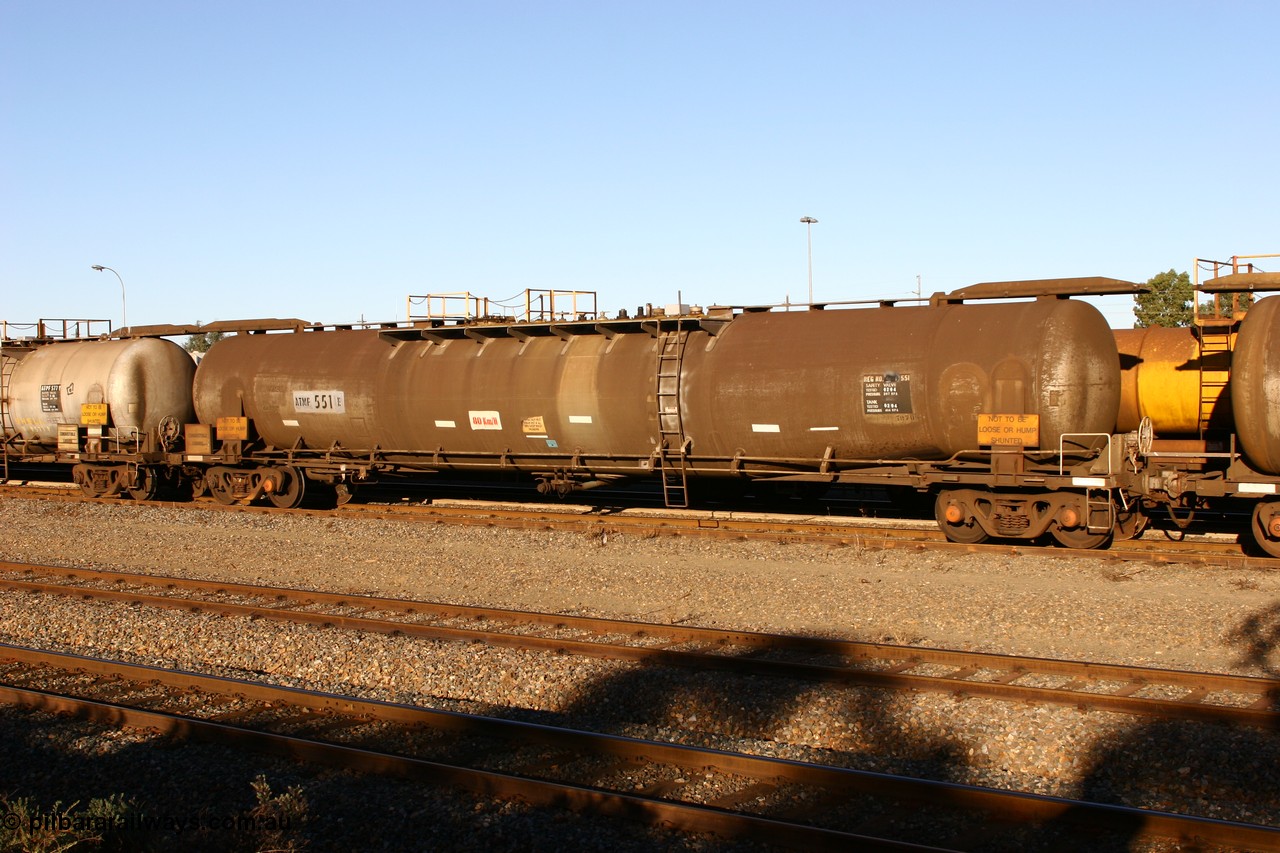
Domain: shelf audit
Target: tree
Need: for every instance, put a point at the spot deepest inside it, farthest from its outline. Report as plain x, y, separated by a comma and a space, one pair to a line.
201, 341
1169, 302
1243, 301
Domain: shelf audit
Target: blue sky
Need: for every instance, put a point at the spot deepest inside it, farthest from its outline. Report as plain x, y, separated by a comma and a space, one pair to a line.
324, 160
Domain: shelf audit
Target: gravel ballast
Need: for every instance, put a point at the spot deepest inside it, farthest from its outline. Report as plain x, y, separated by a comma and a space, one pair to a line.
1174, 616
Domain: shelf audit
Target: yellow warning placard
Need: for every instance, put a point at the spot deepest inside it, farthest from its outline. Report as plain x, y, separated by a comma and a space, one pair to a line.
1009, 430
534, 425
233, 429
93, 414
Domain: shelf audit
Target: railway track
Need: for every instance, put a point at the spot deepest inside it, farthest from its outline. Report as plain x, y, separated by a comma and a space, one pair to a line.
1150, 691
1156, 547
735, 795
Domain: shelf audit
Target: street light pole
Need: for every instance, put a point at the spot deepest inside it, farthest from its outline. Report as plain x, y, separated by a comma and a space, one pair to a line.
124, 309
809, 222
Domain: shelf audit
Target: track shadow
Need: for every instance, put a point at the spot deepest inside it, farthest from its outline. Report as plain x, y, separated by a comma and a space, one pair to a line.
1222, 772
1258, 639
866, 729
1201, 763
199, 797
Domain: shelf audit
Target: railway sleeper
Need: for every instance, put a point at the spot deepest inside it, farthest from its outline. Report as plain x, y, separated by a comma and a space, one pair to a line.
1074, 519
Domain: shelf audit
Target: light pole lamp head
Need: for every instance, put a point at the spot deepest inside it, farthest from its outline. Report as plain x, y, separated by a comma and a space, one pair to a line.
808, 220
124, 310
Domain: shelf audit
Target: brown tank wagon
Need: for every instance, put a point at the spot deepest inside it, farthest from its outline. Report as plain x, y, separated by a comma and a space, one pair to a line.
888, 395
858, 384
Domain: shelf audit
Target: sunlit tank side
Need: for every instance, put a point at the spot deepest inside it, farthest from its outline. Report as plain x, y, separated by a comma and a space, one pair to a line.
492, 396
1160, 379
794, 384
142, 381
893, 382
1255, 385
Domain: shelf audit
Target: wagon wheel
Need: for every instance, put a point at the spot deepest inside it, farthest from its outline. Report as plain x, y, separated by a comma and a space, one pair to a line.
965, 532
146, 485
291, 493
1080, 537
1263, 514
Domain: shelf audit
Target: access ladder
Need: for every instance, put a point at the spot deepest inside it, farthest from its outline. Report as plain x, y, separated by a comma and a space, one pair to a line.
8, 361
672, 443
1215, 335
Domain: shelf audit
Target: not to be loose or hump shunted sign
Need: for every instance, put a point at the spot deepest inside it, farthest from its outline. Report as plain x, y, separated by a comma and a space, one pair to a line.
1015, 430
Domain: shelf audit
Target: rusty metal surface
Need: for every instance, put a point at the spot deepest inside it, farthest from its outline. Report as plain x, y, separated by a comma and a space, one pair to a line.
1255, 392
1159, 379
492, 396
141, 381
898, 382
1085, 286
224, 326
901, 382
1257, 282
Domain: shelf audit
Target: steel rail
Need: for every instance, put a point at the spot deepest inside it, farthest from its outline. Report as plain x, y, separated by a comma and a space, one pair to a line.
805, 529
544, 793
1012, 806
716, 648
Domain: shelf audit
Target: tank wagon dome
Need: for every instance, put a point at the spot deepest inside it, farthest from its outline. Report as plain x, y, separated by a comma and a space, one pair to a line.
1255, 385
141, 381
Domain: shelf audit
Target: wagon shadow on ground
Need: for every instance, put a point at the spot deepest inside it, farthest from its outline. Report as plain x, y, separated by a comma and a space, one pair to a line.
862, 728
1207, 764
197, 797
1136, 758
